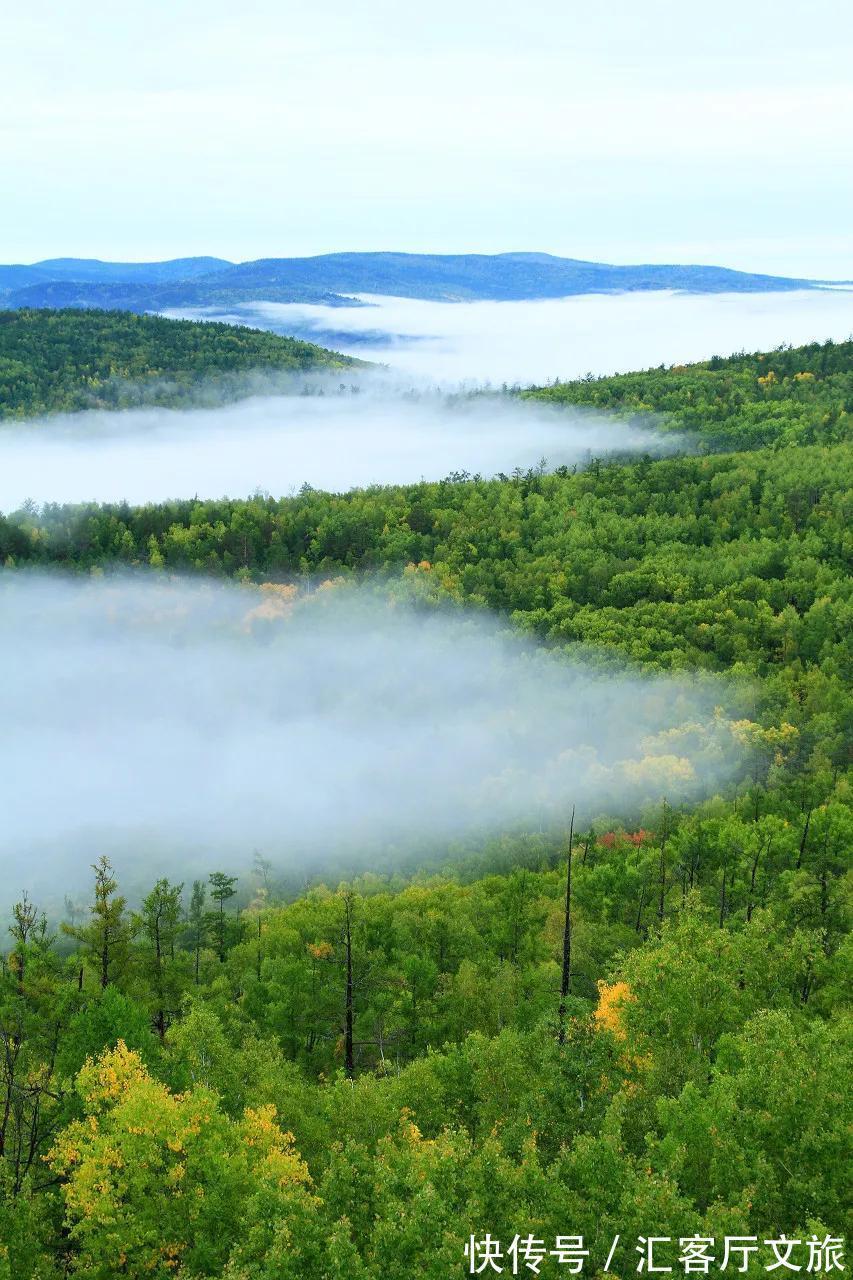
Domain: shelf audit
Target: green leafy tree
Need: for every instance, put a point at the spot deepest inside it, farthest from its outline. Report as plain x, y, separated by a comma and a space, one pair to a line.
197, 925
105, 939
157, 926
221, 890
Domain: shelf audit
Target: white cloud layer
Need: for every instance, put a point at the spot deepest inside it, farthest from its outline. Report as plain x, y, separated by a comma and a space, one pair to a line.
530, 342
178, 725
276, 443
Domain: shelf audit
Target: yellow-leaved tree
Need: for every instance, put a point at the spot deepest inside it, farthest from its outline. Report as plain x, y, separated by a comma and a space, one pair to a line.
164, 1184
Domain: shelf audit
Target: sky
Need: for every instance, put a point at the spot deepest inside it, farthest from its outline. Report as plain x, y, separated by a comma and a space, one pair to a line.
622, 132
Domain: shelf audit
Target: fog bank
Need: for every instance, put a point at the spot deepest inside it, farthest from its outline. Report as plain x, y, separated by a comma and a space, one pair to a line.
178, 726
528, 342
377, 433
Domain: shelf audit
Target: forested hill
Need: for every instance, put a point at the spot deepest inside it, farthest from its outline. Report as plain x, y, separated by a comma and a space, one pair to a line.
53, 361
610, 1030
140, 286
799, 395
685, 562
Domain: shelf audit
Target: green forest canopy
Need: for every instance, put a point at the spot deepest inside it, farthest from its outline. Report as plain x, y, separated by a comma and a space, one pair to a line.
681, 562
257, 1080
64, 361
793, 395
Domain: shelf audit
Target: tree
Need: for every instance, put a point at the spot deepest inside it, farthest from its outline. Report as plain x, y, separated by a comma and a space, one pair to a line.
34, 1011
566, 974
349, 1055
154, 1180
695, 982
105, 940
221, 889
30, 935
197, 924
262, 868
744, 1137
662, 870
158, 924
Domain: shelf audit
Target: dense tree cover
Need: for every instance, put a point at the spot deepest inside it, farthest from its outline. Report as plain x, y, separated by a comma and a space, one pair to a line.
53, 361
232, 1081
236, 1079
350, 1083
683, 562
794, 395
144, 298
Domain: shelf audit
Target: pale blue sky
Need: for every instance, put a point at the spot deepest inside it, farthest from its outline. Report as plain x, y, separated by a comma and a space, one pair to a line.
632, 130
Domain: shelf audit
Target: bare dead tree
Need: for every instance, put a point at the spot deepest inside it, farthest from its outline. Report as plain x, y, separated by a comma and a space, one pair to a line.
662, 866
566, 979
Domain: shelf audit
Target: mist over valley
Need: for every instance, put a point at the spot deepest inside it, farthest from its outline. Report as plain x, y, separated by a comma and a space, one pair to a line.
273, 429
426, 459
337, 436
169, 723
534, 341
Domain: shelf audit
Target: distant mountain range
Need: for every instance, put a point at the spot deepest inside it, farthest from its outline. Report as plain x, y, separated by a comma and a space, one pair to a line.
332, 278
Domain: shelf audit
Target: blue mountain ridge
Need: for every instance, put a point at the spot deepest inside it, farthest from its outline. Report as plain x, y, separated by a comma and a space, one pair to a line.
334, 277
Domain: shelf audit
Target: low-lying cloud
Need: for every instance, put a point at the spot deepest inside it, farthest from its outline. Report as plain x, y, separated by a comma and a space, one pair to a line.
362, 432
177, 726
527, 342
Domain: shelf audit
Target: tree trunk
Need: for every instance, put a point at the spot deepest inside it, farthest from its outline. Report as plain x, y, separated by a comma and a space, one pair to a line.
160, 1018
750, 901
566, 980
804, 839
349, 1057
696, 862
638, 924
662, 878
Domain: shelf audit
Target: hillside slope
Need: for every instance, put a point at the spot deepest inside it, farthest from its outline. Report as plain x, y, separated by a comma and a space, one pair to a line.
54, 360
791, 395
593, 1026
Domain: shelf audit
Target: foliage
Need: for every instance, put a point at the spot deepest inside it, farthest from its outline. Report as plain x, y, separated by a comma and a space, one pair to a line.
793, 395
691, 562
675, 1092
239, 1081
62, 361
